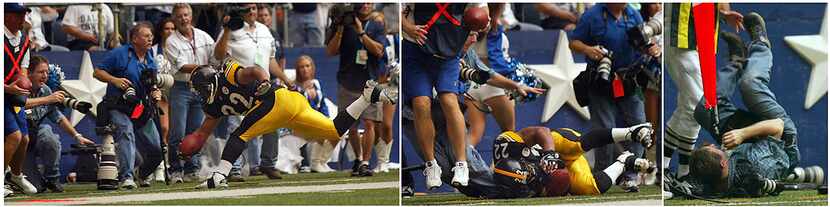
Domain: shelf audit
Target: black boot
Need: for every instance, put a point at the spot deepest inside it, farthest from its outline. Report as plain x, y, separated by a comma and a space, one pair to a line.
757, 28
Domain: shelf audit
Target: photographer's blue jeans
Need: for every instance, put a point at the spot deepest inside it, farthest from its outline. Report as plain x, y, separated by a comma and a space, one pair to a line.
604, 111
48, 148
186, 116
129, 140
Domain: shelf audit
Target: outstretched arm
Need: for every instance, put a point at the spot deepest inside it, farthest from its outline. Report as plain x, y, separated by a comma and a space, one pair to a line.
770, 127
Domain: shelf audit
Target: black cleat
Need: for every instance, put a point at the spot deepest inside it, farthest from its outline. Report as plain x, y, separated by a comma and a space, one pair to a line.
364, 171
757, 28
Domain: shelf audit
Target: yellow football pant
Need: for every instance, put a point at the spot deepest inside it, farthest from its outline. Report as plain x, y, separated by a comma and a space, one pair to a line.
293, 112
582, 179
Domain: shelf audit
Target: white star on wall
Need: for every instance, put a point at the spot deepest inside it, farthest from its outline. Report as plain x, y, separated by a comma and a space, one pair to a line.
559, 76
814, 49
86, 88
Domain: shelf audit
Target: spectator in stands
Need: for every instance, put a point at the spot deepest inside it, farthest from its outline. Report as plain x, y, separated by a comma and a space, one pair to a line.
361, 48
187, 47
164, 29
305, 25
252, 45
16, 132
80, 23
270, 142
306, 80
43, 103
559, 15
508, 19
36, 18
121, 69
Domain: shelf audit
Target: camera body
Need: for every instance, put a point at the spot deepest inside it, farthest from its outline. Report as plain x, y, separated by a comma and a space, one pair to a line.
343, 14
237, 14
603, 66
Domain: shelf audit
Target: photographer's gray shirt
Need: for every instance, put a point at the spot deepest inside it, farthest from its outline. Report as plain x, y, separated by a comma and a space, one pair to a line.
50, 111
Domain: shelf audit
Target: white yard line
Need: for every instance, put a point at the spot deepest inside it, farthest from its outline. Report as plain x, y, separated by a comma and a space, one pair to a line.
626, 203
213, 194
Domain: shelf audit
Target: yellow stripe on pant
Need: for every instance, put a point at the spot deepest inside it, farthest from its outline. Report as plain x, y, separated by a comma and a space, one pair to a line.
582, 179
293, 112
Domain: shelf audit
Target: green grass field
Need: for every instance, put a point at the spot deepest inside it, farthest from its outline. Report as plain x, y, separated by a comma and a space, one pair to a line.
615, 194
382, 196
789, 198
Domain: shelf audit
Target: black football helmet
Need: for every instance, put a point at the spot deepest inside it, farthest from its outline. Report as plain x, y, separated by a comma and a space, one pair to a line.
204, 81
515, 175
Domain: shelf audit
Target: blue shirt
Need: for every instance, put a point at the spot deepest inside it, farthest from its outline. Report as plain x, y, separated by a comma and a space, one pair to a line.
122, 62
599, 27
46, 111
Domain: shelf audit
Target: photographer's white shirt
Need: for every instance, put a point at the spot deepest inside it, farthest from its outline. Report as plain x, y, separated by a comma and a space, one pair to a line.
252, 48
184, 51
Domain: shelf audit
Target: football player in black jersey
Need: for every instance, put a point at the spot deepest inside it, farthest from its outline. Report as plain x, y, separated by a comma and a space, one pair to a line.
540, 151
246, 91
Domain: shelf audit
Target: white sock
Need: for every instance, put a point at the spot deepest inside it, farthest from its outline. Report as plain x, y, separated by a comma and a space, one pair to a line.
614, 171
357, 107
682, 170
364, 162
620, 134
224, 167
666, 161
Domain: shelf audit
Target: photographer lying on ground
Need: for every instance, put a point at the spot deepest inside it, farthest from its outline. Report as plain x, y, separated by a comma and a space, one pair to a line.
759, 155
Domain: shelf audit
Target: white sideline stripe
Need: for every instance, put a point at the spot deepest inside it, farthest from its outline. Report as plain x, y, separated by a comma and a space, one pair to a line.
217, 193
769, 203
627, 203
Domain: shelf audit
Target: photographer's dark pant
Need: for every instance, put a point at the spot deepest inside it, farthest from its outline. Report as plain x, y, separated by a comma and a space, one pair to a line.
129, 140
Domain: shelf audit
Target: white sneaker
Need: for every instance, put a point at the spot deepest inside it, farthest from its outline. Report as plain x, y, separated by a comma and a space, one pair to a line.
214, 181
176, 177
128, 184
433, 174
145, 182
461, 174
23, 184
158, 175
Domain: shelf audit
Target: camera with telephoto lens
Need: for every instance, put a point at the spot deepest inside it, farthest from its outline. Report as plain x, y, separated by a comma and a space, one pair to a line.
640, 37
603, 68
237, 14
75, 104
343, 14
154, 79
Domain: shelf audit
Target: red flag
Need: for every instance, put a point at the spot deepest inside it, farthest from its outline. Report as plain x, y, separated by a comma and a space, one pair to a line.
704, 17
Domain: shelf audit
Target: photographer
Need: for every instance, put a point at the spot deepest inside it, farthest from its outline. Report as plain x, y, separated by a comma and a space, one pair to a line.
359, 39
42, 109
605, 26
251, 44
126, 98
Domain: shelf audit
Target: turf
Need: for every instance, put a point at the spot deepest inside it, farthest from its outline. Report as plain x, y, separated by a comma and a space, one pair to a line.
615, 194
303, 179
788, 198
